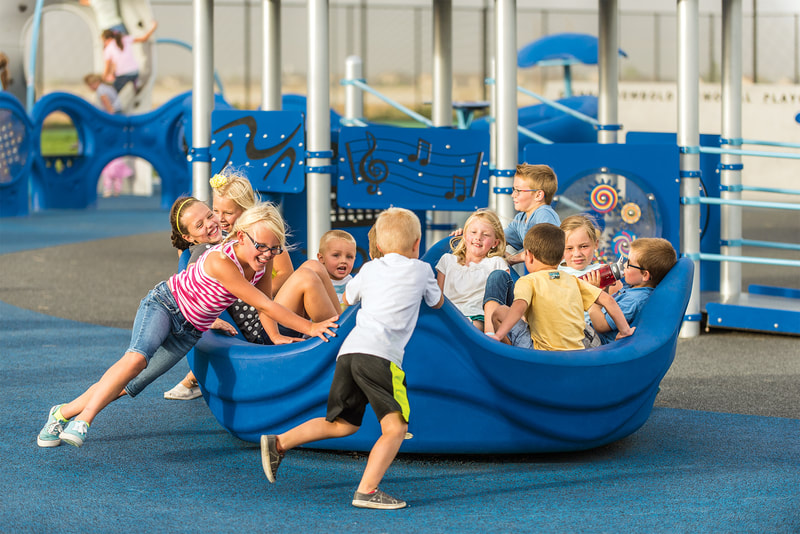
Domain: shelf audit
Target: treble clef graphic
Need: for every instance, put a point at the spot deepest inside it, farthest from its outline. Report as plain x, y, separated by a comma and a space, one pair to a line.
374, 171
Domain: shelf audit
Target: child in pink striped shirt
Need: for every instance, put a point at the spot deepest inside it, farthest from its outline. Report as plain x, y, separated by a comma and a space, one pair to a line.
174, 315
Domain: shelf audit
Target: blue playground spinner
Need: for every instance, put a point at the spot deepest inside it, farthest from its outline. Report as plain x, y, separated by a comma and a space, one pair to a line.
468, 394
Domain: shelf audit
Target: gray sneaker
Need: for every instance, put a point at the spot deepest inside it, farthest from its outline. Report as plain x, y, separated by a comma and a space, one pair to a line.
377, 500
49, 435
270, 459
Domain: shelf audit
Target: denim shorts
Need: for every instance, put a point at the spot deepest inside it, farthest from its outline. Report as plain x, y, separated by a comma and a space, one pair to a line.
161, 334
520, 335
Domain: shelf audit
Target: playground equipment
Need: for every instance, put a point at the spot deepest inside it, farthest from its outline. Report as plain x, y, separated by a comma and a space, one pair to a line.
468, 394
647, 188
572, 119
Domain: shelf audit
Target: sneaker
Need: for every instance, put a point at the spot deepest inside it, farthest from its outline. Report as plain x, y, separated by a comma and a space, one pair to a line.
48, 436
270, 458
181, 392
75, 433
377, 500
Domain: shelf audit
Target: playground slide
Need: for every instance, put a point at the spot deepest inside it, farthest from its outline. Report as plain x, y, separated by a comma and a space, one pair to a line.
468, 394
552, 124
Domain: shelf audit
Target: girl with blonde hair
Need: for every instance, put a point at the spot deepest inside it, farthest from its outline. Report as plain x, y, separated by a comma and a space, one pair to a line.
478, 251
173, 316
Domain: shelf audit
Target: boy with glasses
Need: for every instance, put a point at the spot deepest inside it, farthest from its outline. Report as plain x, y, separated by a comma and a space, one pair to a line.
532, 193
649, 261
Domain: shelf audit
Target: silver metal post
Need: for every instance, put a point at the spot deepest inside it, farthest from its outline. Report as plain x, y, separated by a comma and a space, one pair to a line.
202, 94
730, 273
271, 82
442, 108
608, 59
506, 88
353, 96
318, 136
493, 197
689, 136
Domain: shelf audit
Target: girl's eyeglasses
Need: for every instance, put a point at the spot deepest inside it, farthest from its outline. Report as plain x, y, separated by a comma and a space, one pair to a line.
261, 247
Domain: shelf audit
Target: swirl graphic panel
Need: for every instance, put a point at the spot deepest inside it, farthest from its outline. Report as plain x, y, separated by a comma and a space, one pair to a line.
622, 207
629, 191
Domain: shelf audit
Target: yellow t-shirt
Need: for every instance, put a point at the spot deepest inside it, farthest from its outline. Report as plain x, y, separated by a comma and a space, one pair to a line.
556, 302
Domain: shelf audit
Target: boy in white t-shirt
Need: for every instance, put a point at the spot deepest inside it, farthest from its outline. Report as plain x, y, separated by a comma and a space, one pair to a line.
337, 252
369, 364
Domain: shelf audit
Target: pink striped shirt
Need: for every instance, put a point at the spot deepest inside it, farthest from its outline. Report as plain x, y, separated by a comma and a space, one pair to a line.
201, 298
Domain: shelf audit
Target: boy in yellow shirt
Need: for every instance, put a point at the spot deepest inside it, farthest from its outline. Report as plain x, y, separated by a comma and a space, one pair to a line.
552, 301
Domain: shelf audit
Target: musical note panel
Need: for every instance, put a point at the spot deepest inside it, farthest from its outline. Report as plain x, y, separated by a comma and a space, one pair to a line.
416, 168
268, 146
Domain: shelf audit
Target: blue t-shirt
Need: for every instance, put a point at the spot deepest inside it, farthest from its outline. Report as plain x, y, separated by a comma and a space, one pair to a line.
631, 300
517, 228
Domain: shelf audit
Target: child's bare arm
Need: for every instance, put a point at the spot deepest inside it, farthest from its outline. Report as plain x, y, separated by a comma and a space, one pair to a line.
607, 301
440, 280
223, 326
515, 313
513, 259
282, 265
229, 276
598, 318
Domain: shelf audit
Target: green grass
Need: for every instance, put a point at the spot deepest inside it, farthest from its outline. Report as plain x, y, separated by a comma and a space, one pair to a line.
61, 140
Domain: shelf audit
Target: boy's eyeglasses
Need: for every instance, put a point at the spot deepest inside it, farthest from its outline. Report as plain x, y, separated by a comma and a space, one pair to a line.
515, 191
261, 247
632, 266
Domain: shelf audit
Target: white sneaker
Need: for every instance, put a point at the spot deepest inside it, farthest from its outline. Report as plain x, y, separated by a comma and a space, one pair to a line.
181, 392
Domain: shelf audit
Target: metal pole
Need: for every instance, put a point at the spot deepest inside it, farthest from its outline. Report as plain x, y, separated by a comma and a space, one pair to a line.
797, 49
493, 198
202, 97
271, 83
608, 59
689, 136
353, 96
417, 47
363, 32
730, 273
506, 108
657, 47
246, 53
318, 184
442, 108
755, 41
485, 72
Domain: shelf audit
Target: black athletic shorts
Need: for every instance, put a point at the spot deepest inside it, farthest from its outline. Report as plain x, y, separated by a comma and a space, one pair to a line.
361, 379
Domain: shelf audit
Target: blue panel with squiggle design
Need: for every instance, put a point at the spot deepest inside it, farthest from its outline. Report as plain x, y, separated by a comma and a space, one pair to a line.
268, 146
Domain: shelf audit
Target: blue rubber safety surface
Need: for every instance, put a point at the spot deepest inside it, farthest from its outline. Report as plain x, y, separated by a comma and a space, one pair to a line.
158, 465
153, 465
113, 217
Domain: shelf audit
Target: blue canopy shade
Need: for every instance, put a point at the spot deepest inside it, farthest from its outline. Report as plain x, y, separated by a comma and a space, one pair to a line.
560, 49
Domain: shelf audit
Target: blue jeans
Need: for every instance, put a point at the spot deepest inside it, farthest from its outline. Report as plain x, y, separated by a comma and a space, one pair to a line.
123, 79
499, 288
161, 334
